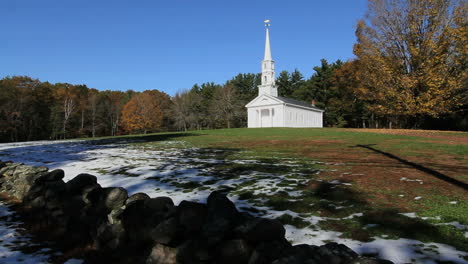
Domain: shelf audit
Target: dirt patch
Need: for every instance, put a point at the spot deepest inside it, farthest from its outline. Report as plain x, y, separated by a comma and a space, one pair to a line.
386, 182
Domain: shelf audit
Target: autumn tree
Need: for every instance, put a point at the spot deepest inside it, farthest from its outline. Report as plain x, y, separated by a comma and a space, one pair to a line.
412, 57
142, 113
344, 107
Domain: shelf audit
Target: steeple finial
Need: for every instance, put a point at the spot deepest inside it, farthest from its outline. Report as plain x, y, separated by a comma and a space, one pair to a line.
267, 41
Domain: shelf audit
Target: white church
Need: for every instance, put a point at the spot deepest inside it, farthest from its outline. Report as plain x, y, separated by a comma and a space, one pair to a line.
270, 110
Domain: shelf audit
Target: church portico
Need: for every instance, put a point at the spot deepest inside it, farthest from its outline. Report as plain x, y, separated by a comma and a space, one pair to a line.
270, 110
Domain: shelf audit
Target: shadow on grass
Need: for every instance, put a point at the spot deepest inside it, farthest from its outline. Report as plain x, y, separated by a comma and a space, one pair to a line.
140, 138
419, 167
381, 221
63, 152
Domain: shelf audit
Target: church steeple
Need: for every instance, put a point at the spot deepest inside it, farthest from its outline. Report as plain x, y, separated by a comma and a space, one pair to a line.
267, 45
268, 68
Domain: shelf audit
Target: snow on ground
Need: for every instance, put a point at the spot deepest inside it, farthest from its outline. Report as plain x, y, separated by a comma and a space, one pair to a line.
185, 174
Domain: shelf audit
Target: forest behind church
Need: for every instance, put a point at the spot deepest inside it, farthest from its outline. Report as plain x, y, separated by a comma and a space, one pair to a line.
409, 71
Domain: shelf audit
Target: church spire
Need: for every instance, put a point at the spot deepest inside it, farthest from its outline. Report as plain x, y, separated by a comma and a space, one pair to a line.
267, 44
268, 68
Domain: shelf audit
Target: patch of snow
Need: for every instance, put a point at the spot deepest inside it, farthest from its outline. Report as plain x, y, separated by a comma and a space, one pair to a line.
456, 224
411, 180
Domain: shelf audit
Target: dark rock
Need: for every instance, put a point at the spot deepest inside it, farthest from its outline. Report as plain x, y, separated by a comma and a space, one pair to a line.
267, 252
261, 229
54, 175
215, 230
77, 184
2, 164
38, 202
136, 197
220, 206
336, 253
110, 236
159, 204
192, 215
194, 251
91, 194
296, 260
222, 217
233, 252
135, 219
54, 189
168, 232
161, 254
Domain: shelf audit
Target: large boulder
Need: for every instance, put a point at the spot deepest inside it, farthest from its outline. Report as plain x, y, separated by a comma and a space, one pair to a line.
168, 232
159, 204
220, 206
80, 182
192, 215
55, 175
221, 219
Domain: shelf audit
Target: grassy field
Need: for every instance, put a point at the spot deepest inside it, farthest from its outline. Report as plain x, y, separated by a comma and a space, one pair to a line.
395, 184
399, 194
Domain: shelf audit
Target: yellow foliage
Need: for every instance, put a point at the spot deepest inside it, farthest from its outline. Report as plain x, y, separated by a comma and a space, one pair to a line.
412, 56
142, 113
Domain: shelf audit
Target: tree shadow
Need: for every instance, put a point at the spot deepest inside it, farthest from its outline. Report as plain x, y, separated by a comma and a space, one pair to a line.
375, 222
419, 167
60, 153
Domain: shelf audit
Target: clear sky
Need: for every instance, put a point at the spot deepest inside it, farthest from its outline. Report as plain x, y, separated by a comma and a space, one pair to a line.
169, 45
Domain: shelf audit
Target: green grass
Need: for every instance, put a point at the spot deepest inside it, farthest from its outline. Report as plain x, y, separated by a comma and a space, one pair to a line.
284, 152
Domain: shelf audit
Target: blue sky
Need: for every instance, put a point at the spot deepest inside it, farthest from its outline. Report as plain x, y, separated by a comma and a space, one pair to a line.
169, 45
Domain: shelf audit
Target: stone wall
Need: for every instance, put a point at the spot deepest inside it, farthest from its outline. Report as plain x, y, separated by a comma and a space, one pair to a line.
140, 229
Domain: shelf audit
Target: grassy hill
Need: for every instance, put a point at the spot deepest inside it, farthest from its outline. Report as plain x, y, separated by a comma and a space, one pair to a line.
378, 175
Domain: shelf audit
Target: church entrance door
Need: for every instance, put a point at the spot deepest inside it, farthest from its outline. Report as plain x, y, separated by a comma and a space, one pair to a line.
265, 119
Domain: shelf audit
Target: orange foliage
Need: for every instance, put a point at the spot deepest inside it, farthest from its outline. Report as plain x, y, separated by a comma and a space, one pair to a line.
142, 113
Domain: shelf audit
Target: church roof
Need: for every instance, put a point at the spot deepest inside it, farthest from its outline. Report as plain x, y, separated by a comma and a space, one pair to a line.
280, 100
297, 102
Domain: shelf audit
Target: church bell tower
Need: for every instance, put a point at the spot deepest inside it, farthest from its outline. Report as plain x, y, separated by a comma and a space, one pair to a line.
268, 86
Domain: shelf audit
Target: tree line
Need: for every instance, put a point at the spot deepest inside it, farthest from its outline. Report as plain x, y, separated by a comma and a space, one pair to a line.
410, 71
